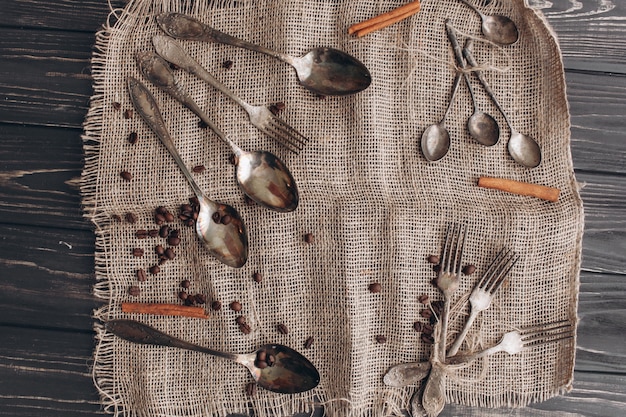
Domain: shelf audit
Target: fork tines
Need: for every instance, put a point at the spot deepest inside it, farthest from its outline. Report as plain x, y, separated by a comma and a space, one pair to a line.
498, 270
453, 248
547, 333
286, 135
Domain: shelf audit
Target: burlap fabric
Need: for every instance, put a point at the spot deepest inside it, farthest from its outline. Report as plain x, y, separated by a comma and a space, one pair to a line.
375, 207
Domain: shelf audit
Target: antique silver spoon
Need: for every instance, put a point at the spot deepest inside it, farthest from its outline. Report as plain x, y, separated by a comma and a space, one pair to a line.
522, 148
219, 226
435, 141
289, 373
324, 71
260, 174
497, 28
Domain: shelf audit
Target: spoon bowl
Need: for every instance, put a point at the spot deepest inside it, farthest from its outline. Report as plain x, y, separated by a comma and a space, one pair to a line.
483, 128
497, 28
289, 372
226, 240
323, 71
260, 174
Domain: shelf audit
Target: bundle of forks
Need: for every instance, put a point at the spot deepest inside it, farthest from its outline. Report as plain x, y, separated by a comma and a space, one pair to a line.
444, 358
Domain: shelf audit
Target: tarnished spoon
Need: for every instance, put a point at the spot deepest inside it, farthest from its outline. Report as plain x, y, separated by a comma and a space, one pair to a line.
405, 374
218, 225
260, 174
497, 28
324, 71
481, 126
289, 373
522, 148
435, 141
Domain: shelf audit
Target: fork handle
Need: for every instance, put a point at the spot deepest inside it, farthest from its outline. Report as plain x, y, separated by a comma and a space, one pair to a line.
461, 337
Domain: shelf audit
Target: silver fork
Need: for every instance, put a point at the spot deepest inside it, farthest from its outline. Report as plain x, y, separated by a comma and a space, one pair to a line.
450, 275
260, 116
483, 293
516, 341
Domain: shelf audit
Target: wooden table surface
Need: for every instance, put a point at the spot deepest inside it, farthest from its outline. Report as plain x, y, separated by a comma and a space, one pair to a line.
47, 246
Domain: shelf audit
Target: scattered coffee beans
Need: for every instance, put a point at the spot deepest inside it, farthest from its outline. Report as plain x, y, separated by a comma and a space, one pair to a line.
130, 217
228, 64
116, 217
159, 250
128, 113
132, 138
276, 108
424, 299
216, 306
381, 339
116, 105
426, 313
127, 176
138, 252
159, 219
155, 269
282, 329
309, 238
198, 169
134, 290
433, 259
257, 277
240, 319
245, 328
417, 326
141, 275
153, 232
469, 269
141, 234
183, 295
235, 306
185, 283
426, 338
170, 254
173, 241
375, 287
309, 342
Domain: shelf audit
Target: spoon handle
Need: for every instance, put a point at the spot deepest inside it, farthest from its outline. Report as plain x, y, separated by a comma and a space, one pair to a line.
146, 106
137, 332
434, 396
182, 26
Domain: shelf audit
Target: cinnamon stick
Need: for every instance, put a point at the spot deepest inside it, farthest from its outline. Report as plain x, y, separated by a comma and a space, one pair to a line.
160, 309
521, 188
385, 19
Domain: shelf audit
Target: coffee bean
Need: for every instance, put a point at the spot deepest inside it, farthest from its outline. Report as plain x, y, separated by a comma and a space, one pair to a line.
174, 233
116, 217
200, 298
164, 231
427, 328
226, 219
141, 275
183, 295
169, 217
198, 169
436, 268
141, 234
190, 222
134, 290
381, 339
251, 389
170, 254
194, 201
433, 259
276, 108
235, 306
153, 232
216, 306
245, 329
116, 105
417, 326
309, 342
469, 269
423, 299
127, 176
309, 238
228, 64
257, 277
160, 210
185, 283
173, 241
162, 260
426, 313
159, 249
155, 269
130, 217
132, 138
159, 219
128, 113
240, 319
375, 287
282, 329
190, 300
427, 339
138, 252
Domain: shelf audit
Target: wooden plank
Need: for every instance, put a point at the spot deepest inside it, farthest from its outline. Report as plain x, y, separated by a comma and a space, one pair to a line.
39, 177
47, 277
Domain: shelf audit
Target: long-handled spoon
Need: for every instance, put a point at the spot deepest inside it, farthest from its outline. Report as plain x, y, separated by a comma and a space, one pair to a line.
497, 28
481, 126
522, 148
324, 71
219, 225
289, 373
260, 174
435, 141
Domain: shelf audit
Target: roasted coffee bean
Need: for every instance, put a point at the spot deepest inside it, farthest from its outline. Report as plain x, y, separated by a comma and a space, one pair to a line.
173, 241
426, 338
418, 326
216, 306
162, 260
134, 290
127, 176
251, 389
437, 268
257, 277
282, 328
170, 254
138, 252
433, 259
240, 319
132, 138
128, 113
185, 283
141, 275
469, 269
116, 217
200, 298
245, 329
426, 313
155, 269
190, 222
160, 210
159, 219
309, 342
427, 328
226, 219
183, 295
159, 250
424, 299
190, 300
309, 238
169, 217
274, 109
141, 234
194, 201
437, 306
235, 306
130, 217
116, 105
381, 339
186, 208
228, 64
375, 287
174, 233
153, 232
198, 169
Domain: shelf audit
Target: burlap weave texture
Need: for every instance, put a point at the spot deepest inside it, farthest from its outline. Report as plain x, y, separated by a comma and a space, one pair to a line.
375, 207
